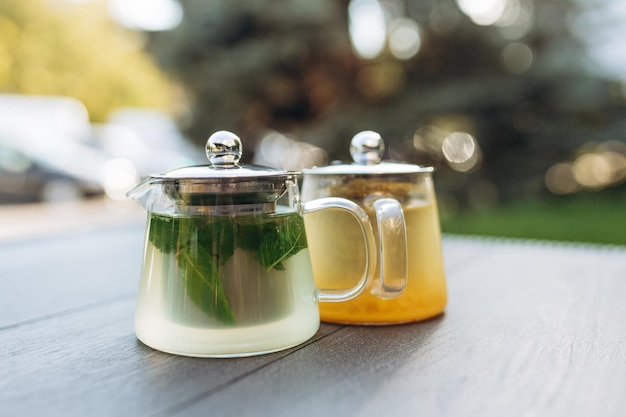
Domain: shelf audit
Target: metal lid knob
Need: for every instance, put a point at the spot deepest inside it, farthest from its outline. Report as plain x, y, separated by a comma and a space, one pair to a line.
223, 148
367, 148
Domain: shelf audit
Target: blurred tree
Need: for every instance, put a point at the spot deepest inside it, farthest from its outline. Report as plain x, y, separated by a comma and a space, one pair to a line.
259, 64
519, 87
56, 47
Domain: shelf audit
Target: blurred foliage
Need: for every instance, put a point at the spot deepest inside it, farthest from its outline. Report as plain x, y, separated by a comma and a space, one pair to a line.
289, 66
55, 47
591, 218
259, 64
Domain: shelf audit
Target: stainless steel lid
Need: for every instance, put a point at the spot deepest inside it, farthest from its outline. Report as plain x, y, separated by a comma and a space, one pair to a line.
224, 181
367, 149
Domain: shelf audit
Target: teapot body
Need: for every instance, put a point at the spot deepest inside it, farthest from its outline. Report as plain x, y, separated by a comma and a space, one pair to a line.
425, 293
226, 284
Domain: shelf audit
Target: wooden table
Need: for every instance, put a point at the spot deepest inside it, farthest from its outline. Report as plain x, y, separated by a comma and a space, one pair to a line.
532, 329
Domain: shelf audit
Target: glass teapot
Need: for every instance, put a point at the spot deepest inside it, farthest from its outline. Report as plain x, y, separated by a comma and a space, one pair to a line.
226, 267
399, 198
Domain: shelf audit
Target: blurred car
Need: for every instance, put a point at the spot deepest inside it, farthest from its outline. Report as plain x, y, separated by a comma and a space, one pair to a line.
46, 153
26, 178
149, 139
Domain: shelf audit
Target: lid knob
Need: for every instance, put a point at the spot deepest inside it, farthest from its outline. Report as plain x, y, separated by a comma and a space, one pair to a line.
367, 148
223, 149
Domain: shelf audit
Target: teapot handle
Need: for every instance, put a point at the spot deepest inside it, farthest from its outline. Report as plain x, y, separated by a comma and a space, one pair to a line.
392, 250
334, 295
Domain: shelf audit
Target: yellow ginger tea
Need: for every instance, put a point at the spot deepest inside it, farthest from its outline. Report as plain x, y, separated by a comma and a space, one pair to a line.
338, 260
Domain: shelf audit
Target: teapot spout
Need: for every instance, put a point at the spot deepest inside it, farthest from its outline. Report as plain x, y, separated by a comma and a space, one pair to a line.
149, 195
142, 193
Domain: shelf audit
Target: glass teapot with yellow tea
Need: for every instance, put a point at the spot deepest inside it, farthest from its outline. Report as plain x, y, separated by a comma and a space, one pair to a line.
409, 284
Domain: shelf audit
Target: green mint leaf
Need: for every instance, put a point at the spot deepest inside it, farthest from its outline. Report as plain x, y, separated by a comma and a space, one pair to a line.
279, 244
164, 233
249, 234
204, 288
217, 237
201, 248
204, 244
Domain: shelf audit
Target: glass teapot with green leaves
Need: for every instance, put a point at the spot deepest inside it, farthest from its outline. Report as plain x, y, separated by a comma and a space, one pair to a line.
226, 268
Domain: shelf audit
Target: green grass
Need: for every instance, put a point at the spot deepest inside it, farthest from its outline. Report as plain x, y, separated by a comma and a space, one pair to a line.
593, 219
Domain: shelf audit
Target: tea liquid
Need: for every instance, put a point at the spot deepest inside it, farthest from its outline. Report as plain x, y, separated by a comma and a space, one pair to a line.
338, 261
225, 287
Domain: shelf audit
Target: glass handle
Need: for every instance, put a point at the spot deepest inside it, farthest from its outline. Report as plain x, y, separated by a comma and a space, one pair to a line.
360, 215
392, 250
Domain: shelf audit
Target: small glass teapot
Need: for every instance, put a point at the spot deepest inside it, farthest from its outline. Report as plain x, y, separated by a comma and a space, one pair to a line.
409, 284
226, 267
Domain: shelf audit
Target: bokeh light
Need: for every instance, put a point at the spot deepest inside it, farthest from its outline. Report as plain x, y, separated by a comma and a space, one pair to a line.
592, 171
461, 151
404, 38
368, 30
444, 19
617, 165
513, 18
483, 12
595, 168
458, 148
560, 179
148, 15
281, 151
70, 115
517, 20
516, 58
120, 176
428, 139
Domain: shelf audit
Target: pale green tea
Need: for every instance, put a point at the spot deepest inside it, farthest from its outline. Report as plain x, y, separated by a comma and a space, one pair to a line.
234, 283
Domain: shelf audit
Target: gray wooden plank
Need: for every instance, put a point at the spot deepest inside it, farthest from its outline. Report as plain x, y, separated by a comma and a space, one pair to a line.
457, 251
45, 276
90, 363
37, 220
530, 330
